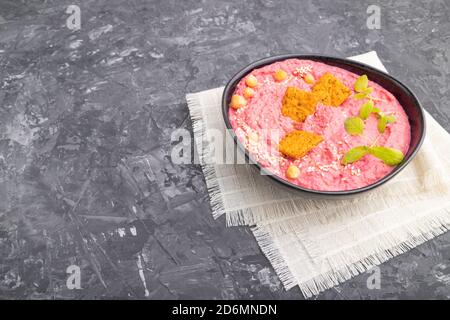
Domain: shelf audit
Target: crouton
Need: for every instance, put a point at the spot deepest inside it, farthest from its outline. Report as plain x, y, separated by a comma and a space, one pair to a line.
297, 144
298, 104
330, 91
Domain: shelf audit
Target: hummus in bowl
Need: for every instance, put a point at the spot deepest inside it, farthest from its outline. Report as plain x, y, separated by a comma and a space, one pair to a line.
323, 125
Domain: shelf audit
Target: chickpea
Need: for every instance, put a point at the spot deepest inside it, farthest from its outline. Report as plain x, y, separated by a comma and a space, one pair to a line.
280, 75
309, 78
237, 101
292, 172
248, 93
251, 81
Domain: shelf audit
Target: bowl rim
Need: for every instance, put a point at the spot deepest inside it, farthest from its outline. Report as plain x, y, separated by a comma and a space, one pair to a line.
230, 86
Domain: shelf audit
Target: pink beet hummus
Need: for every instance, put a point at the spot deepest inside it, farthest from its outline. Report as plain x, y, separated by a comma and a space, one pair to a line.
321, 169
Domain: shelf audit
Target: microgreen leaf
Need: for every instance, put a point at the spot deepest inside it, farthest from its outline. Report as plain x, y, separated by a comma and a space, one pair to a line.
361, 83
389, 156
366, 110
360, 96
376, 110
382, 123
390, 119
354, 126
368, 90
354, 154
384, 120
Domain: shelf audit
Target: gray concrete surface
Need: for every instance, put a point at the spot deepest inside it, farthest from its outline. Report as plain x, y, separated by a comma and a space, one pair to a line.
85, 123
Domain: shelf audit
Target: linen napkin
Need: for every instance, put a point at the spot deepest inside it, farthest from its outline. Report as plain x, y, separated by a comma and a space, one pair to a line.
316, 244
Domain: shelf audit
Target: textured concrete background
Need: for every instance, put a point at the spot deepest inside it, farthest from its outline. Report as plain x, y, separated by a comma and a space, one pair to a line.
85, 123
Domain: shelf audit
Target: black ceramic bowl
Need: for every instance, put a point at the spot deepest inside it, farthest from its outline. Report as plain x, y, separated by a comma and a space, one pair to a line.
406, 98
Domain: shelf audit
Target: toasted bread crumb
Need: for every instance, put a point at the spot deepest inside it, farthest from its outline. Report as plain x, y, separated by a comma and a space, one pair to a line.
297, 144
